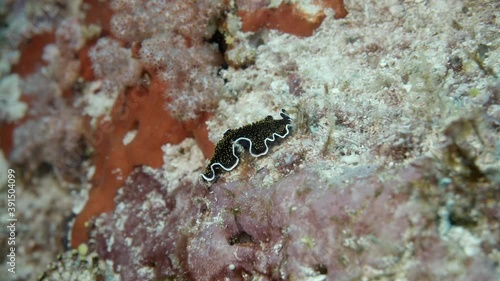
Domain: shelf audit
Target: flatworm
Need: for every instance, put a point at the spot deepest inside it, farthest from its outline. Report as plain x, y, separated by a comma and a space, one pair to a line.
254, 137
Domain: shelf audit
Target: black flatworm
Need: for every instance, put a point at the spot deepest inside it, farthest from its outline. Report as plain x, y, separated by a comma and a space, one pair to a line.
255, 137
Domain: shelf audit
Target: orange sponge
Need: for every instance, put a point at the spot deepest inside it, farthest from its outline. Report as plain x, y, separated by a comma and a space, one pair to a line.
141, 109
289, 18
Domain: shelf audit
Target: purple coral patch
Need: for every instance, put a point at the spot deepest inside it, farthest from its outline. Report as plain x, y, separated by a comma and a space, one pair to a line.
298, 228
146, 237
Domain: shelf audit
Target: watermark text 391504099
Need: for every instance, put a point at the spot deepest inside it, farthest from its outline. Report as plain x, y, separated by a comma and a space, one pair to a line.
11, 220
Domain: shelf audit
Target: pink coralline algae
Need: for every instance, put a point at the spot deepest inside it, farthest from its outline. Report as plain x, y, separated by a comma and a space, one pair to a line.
173, 38
149, 241
114, 65
382, 226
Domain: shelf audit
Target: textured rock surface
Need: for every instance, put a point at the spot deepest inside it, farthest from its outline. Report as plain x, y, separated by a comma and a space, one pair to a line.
404, 223
391, 172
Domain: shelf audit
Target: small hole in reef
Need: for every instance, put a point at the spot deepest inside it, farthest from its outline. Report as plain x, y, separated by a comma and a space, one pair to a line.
218, 38
240, 238
321, 269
